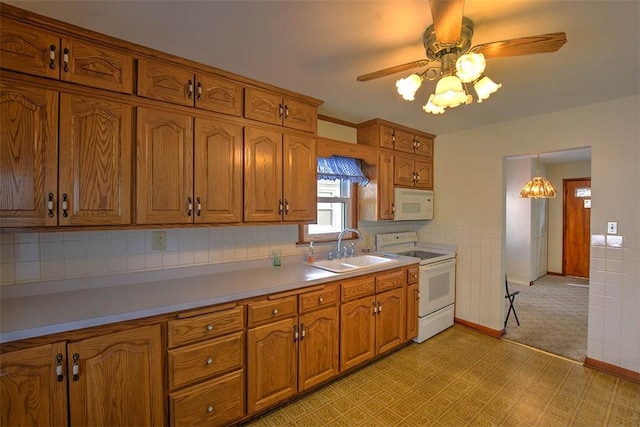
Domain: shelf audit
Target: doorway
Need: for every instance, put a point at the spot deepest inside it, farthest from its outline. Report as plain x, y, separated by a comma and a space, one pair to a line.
577, 226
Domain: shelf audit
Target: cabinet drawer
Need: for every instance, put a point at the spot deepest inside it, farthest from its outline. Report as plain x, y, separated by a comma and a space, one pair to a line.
185, 331
216, 402
391, 280
265, 311
204, 360
322, 298
357, 287
413, 274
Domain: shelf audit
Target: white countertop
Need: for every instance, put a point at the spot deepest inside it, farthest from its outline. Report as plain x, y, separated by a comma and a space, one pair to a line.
42, 308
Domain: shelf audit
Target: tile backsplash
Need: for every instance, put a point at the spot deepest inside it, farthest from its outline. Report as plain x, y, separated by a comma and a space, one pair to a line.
35, 257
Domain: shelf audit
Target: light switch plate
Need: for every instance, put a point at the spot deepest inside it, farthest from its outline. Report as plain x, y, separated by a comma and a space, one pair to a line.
159, 241
612, 227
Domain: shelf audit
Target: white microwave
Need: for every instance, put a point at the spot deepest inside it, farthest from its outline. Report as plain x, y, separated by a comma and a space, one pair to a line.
412, 205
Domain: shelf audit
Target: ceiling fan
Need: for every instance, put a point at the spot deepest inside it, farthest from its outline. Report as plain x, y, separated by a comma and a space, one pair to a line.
450, 56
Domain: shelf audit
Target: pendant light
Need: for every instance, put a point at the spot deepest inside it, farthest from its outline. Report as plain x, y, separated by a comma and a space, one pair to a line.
538, 187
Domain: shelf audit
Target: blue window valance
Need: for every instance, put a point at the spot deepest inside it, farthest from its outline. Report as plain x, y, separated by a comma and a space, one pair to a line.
341, 168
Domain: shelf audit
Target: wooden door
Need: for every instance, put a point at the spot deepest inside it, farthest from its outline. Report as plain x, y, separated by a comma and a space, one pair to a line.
32, 392
385, 187
95, 161
319, 347
298, 115
403, 171
357, 332
93, 65
262, 175
263, 106
300, 178
28, 49
164, 82
389, 320
218, 94
424, 175
119, 379
577, 227
404, 142
413, 299
164, 190
271, 364
218, 171
28, 156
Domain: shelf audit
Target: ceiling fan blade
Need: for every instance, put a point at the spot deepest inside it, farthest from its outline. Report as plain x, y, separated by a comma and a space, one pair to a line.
447, 19
392, 70
542, 43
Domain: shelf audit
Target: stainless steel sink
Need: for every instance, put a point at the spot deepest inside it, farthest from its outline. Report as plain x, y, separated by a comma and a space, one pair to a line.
344, 265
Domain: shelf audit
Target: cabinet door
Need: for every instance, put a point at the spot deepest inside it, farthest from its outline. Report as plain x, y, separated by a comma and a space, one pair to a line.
424, 171
389, 326
218, 171
299, 179
28, 155
92, 65
95, 161
387, 137
32, 394
219, 94
263, 106
271, 364
413, 298
262, 175
319, 346
30, 50
357, 332
424, 146
385, 186
164, 82
404, 142
119, 379
301, 116
164, 167
403, 171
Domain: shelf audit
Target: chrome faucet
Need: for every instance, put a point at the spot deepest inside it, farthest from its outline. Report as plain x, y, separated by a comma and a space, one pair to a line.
339, 252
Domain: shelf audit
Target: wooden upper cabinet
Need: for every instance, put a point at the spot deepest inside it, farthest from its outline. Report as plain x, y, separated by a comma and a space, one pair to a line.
97, 66
272, 108
219, 94
32, 394
119, 379
413, 173
95, 161
299, 178
166, 82
28, 49
424, 174
262, 175
382, 134
218, 171
28, 156
164, 190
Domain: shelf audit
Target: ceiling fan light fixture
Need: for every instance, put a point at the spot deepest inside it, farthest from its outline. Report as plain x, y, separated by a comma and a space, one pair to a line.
429, 107
485, 87
408, 86
449, 93
470, 66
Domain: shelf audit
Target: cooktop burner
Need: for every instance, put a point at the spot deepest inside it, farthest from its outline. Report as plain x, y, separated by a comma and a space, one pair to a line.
421, 254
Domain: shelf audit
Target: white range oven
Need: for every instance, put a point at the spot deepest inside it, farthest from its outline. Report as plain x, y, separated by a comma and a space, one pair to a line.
437, 279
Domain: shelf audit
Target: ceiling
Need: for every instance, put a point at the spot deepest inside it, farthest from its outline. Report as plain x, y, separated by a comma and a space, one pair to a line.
317, 48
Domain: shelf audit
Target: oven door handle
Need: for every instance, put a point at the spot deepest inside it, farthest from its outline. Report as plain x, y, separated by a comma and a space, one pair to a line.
440, 265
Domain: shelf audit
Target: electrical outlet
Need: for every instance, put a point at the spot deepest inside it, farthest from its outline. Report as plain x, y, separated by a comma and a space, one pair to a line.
612, 227
159, 241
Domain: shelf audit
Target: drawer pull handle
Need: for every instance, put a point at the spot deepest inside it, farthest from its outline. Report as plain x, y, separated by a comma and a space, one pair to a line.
209, 361
320, 300
52, 57
275, 311
50, 205
65, 205
76, 368
209, 409
59, 372
65, 60
209, 327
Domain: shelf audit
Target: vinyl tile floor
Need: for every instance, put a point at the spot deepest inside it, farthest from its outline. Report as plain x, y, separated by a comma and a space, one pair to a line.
463, 378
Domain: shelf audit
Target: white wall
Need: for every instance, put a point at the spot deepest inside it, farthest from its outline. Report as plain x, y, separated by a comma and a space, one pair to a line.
518, 222
470, 209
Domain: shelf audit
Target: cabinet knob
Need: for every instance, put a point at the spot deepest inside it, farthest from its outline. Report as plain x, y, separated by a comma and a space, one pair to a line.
320, 300
209, 327
275, 311
209, 409
209, 361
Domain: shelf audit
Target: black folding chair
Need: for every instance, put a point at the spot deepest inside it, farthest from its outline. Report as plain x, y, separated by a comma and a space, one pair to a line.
512, 297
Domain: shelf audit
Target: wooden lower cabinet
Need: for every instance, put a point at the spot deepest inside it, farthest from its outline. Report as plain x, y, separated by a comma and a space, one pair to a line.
319, 347
112, 379
357, 332
389, 318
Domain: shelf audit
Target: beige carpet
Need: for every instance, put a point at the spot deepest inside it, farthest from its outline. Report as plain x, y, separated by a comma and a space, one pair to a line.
553, 315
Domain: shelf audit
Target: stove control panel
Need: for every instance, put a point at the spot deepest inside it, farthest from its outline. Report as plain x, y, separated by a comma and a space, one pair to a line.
395, 242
